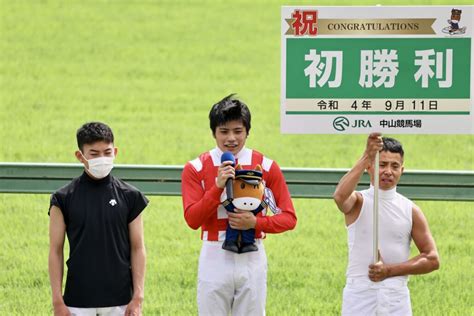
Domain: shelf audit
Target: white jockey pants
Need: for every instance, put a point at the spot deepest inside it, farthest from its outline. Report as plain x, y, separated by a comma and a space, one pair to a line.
367, 298
231, 283
103, 311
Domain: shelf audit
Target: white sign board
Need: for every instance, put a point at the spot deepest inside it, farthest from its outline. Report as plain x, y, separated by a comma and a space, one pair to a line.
395, 70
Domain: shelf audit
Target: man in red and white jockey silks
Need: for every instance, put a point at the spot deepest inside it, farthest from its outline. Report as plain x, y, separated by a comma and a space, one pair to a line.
231, 282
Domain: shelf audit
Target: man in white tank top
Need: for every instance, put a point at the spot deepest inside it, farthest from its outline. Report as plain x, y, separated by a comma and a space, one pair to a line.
381, 288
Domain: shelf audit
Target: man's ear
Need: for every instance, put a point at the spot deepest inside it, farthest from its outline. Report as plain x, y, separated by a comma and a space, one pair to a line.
78, 155
81, 158
115, 151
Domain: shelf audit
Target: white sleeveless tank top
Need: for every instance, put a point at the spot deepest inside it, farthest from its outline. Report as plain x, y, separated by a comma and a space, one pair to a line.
395, 225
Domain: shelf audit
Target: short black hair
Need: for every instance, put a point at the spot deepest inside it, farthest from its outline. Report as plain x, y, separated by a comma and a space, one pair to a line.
229, 109
92, 132
392, 145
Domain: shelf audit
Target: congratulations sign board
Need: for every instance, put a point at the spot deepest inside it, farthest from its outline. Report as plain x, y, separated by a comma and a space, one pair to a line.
397, 70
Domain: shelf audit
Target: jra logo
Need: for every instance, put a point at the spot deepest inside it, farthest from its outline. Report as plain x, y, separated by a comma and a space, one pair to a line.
341, 123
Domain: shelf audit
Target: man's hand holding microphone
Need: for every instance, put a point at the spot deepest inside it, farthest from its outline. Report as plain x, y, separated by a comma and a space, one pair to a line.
226, 173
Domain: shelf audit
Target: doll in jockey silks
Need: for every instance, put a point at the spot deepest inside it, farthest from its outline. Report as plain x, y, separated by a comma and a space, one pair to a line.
454, 21
248, 195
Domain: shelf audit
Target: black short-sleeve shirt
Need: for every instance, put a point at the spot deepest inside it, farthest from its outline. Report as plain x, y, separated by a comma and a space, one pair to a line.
97, 214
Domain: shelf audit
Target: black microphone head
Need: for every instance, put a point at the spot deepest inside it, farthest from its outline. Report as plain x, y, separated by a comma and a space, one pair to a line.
227, 156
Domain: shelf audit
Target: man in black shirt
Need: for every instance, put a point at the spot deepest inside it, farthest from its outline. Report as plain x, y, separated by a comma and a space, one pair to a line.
101, 216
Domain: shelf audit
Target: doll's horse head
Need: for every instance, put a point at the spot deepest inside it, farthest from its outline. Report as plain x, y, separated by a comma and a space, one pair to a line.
248, 188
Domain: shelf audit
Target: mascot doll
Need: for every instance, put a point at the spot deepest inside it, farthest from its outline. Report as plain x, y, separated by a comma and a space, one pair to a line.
454, 21
248, 196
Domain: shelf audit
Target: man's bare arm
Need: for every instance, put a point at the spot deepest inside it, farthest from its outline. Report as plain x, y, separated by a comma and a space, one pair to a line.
138, 261
57, 231
345, 196
425, 262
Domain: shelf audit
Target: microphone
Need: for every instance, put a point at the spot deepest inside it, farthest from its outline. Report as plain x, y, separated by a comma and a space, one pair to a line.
227, 156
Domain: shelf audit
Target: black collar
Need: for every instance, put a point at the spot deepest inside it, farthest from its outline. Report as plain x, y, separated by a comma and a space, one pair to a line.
87, 178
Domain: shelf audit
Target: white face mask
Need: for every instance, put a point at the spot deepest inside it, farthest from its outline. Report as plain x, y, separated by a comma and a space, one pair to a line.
100, 167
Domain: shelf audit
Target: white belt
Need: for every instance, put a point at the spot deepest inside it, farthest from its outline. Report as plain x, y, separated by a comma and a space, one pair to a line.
389, 282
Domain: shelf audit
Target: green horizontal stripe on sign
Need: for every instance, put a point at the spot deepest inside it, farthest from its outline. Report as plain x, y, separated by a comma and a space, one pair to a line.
354, 68
373, 113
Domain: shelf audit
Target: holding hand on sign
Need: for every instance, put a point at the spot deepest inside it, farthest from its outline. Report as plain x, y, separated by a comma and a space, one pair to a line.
374, 145
379, 271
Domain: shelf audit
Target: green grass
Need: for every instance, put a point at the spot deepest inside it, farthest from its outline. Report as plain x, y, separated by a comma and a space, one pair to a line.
306, 266
152, 70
